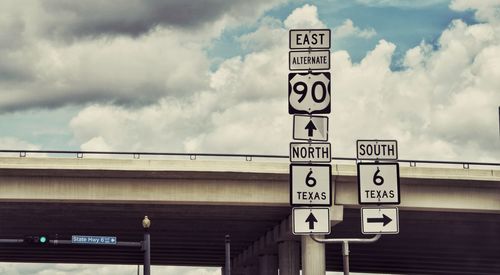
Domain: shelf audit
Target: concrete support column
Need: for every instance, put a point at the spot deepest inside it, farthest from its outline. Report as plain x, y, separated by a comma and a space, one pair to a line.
289, 257
313, 257
268, 264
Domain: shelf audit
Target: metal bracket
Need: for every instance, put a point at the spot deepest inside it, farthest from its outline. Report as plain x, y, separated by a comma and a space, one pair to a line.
345, 246
351, 240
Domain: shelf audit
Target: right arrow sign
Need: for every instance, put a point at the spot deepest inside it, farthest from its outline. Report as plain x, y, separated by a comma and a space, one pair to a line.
380, 220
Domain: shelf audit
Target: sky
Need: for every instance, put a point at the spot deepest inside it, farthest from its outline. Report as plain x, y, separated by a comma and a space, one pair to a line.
211, 76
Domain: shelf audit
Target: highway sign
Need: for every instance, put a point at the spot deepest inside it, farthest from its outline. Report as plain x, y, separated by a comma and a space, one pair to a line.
314, 128
378, 183
377, 149
309, 93
309, 39
310, 184
309, 60
379, 220
310, 220
310, 152
99, 240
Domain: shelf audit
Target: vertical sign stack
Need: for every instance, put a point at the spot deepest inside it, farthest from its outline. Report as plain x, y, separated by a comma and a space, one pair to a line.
378, 184
309, 94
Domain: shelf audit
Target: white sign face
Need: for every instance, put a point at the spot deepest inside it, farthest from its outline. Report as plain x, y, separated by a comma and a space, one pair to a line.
310, 152
377, 149
309, 93
380, 220
310, 220
310, 184
314, 128
309, 39
309, 60
378, 183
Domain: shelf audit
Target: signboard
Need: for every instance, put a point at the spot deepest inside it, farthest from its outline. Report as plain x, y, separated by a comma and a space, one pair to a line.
380, 220
309, 60
310, 220
378, 183
309, 39
310, 184
377, 149
310, 152
98, 240
309, 93
313, 128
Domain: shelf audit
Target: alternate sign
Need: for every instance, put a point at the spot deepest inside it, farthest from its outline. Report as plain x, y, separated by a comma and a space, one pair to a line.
103, 240
309, 39
309, 60
379, 220
378, 183
311, 184
307, 221
314, 128
310, 152
377, 149
309, 93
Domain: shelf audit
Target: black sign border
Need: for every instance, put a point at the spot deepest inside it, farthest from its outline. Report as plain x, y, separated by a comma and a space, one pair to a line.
376, 140
310, 118
329, 185
311, 143
380, 164
326, 110
309, 30
381, 233
290, 63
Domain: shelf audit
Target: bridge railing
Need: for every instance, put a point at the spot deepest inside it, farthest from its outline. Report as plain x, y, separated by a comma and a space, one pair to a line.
246, 157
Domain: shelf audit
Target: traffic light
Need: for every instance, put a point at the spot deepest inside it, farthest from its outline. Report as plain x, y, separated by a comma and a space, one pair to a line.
37, 240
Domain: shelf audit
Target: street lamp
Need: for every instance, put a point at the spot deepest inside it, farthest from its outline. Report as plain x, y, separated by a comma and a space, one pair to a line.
146, 245
146, 223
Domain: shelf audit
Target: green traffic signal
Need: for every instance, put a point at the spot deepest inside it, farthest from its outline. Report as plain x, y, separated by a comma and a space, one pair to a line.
43, 239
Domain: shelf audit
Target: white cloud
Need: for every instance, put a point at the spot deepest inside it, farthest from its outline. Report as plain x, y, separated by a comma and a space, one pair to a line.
305, 17
485, 10
442, 105
93, 269
401, 3
348, 29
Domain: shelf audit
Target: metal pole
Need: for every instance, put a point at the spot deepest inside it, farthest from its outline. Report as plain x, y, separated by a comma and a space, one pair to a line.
147, 253
345, 256
227, 267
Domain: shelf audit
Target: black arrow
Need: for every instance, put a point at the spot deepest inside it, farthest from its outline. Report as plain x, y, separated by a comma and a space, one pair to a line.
384, 219
310, 127
311, 220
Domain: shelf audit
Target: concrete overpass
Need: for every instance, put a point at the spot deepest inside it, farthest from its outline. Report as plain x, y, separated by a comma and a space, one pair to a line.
449, 216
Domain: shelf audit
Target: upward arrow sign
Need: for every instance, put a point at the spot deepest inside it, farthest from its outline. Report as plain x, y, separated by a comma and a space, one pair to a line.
311, 220
310, 127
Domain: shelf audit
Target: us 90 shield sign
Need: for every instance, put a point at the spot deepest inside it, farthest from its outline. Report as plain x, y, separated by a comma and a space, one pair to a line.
309, 93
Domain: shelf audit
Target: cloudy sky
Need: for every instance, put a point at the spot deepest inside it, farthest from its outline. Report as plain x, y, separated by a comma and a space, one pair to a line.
211, 76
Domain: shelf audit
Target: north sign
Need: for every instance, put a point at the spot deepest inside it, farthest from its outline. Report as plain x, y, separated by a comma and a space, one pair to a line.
310, 152
310, 220
309, 39
310, 185
379, 220
378, 183
309, 60
377, 149
313, 128
309, 93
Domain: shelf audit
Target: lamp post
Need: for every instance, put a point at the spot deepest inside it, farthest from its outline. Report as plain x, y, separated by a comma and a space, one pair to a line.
146, 245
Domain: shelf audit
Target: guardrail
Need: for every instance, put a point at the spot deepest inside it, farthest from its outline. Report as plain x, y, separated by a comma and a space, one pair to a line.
248, 157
